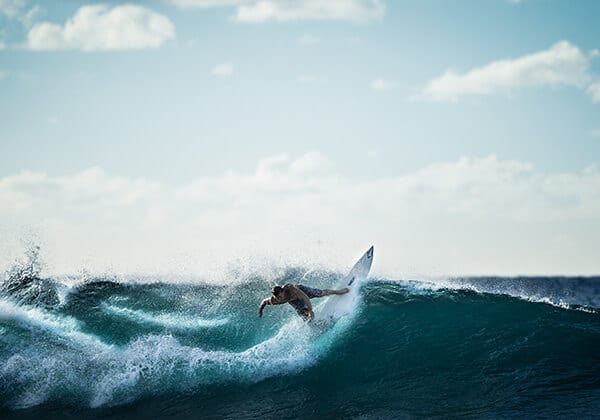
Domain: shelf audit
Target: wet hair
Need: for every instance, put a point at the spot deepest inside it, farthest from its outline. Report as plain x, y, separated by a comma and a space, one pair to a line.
277, 290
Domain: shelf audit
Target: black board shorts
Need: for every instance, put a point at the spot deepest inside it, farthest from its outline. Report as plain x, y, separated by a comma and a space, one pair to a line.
299, 305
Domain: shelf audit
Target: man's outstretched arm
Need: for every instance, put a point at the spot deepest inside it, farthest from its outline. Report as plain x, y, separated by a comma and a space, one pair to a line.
264, 303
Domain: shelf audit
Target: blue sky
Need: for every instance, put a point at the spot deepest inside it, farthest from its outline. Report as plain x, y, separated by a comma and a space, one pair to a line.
386, 101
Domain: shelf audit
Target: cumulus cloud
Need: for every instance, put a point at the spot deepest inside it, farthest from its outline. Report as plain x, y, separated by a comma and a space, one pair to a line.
207, 3
284, 11
274, 176
224, 69
11, 8
91, 186
100, 27
594, 92
260, 11
28, 18
480, 214
562, 64
17, 10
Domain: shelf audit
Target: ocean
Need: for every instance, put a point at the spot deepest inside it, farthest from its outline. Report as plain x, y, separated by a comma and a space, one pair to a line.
137, 347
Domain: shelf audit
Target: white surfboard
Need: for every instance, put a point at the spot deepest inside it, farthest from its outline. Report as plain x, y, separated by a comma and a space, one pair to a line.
337, 306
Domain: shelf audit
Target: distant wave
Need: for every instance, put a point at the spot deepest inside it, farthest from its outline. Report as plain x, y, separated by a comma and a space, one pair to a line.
575, 293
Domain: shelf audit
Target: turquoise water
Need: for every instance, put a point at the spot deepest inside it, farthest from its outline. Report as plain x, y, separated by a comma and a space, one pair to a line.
479, 347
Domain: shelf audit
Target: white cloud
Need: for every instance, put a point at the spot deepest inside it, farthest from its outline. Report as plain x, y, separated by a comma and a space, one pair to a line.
259, 11
382, 84
28, 18
11, 8
594, 91
207, 3
312, 163
99, 27
89, 187
224, 69
290, 10
16, 10
482, 215
562, 64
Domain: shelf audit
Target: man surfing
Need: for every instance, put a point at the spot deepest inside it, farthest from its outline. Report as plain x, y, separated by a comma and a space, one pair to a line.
299, 297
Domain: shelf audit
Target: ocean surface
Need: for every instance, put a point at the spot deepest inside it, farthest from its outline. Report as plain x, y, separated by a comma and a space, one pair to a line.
135, 347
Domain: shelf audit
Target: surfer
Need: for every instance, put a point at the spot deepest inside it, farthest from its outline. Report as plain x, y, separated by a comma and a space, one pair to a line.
298, 296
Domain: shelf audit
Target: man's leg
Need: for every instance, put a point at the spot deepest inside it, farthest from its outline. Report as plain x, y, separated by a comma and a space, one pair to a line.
312, 292
328, 292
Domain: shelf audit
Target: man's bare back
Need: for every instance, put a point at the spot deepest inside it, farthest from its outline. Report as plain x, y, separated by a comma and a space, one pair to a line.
298, 296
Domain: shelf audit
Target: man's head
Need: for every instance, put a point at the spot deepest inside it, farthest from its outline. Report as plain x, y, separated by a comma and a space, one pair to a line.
277, 290
281, 293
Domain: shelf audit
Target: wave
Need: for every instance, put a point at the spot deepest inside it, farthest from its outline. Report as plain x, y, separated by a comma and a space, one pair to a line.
488, 347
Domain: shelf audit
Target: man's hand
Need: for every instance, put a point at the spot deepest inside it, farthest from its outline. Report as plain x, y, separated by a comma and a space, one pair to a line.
343, 291
260, 311
311, 314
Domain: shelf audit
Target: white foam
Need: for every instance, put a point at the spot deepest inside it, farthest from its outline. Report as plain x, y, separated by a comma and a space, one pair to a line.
63, 291
169, 320
64, 326
149, 363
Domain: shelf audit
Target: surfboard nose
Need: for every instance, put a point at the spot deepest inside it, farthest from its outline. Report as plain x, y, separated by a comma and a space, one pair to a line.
370, 252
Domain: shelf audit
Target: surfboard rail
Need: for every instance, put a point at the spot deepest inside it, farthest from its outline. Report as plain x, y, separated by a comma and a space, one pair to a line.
340, 305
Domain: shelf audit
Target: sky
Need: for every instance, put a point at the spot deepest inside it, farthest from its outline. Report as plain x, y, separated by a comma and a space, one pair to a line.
185, 136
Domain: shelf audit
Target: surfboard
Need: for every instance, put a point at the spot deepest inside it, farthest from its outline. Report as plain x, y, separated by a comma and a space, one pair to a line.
337, 306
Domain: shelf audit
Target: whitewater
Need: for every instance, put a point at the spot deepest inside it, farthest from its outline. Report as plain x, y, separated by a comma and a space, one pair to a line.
114, 346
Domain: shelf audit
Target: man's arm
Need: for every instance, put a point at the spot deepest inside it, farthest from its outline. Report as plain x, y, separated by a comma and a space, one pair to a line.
264, 303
